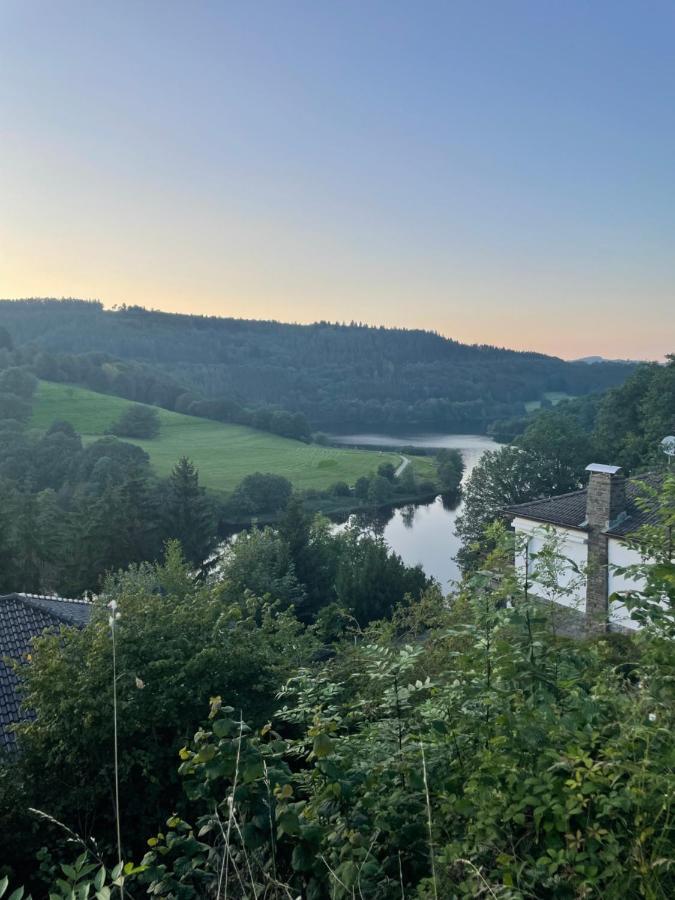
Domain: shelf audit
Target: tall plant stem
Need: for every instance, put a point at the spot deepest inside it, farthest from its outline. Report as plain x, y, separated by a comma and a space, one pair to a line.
115, 752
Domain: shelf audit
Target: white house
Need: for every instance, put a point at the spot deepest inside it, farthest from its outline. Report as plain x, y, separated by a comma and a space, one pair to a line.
591, 527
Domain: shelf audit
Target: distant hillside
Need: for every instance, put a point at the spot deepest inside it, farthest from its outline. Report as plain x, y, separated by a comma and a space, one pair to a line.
339, 376
593, 360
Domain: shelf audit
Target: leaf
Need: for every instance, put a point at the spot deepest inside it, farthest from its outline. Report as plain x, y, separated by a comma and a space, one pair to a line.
16, 895
322, 745
4, 881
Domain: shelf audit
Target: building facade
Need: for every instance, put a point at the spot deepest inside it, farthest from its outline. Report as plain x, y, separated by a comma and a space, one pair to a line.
590, 528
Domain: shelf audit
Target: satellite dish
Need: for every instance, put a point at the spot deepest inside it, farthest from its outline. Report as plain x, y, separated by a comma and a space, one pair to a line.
668, 446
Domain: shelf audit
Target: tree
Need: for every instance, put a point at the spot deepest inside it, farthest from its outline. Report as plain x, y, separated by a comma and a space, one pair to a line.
387, 470
502, 478
188, 512
178, 644
362, 487
371, 580
19, 382
563, 445
260, 493
450, 466
259, 562
379, 490
137, 422
5, 339
13, 407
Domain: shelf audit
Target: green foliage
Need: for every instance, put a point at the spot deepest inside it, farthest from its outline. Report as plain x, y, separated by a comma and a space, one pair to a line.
338, 376
13, 407
137, 422
18, 381
178, 643
502, 477
189, 512
456, 751
261, 493
371, 580
450, 465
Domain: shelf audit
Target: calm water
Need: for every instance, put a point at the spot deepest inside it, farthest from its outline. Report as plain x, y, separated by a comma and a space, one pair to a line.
424, 533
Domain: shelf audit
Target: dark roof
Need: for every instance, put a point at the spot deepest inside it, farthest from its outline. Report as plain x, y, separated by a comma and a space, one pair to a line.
23, 617
569, 510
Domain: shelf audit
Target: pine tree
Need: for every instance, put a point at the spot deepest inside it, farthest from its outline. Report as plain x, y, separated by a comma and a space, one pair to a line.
188, 513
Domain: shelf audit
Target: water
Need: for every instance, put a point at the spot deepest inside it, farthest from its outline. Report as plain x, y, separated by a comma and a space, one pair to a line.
424, 534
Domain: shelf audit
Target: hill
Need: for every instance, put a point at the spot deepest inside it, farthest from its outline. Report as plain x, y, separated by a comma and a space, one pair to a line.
339, 376
224, 454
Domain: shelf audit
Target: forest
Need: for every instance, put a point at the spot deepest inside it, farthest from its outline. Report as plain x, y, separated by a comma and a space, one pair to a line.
332, 376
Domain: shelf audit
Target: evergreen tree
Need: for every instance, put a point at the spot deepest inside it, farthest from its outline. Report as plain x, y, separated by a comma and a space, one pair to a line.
189, 513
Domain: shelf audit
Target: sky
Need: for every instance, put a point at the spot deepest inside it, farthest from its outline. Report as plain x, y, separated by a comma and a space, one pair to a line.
501, 172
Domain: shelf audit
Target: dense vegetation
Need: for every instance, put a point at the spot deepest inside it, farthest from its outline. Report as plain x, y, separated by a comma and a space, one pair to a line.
552, 448
332, 376
446, 751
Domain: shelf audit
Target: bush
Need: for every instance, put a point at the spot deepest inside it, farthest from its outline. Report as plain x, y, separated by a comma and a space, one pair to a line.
340, 489
13, 407
261, 493
137, 422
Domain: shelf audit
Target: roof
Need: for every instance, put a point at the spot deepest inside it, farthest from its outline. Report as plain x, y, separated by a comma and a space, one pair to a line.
23, 617
569, 510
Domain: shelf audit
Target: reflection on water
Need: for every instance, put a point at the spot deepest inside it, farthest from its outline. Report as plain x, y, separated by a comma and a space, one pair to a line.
423, 533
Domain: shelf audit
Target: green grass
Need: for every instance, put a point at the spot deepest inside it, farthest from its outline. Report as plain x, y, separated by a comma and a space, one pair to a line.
224, 454
554, 396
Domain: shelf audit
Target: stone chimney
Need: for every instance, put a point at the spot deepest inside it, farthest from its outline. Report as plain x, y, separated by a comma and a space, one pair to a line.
605, 505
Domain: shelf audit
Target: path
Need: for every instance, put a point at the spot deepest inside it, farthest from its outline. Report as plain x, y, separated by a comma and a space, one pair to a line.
405, 462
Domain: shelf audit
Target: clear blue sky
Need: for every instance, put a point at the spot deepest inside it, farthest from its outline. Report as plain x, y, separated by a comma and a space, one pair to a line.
499, 171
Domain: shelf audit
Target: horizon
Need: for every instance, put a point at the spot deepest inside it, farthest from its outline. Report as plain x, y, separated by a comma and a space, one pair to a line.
499, 175
336, 322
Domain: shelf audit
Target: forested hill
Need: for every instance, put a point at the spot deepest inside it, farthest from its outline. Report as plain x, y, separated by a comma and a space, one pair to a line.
339, 376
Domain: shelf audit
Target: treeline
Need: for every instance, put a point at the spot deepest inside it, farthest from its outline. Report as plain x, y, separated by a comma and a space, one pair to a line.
336, 376
142, 383
624, 425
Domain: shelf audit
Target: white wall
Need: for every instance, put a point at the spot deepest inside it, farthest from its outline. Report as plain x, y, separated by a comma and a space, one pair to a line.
572, 547
620, 555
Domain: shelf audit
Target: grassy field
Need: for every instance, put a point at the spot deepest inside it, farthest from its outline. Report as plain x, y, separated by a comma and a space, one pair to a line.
554, 396
224, 454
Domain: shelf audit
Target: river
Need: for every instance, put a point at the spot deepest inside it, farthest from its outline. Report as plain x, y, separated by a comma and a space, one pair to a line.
424, 534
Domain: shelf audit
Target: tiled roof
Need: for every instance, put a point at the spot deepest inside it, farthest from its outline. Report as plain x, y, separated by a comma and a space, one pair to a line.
23, 617
569, 510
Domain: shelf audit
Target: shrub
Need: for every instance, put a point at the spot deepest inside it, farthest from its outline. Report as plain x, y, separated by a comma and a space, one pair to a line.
137, 422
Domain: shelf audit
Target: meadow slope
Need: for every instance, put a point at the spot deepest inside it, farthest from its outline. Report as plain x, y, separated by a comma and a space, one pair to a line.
224, 454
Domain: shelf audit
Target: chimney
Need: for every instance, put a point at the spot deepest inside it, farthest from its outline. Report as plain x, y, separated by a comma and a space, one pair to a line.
605, 505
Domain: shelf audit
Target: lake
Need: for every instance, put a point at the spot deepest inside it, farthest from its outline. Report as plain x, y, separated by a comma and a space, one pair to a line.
423, 534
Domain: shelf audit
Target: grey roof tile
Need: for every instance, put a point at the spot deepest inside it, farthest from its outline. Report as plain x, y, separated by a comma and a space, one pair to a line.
23, 617
569, 510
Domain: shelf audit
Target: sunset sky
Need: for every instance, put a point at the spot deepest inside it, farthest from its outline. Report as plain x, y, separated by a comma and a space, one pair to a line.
502, 172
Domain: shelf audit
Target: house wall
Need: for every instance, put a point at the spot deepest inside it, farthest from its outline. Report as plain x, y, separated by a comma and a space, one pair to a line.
572, 548
621, 555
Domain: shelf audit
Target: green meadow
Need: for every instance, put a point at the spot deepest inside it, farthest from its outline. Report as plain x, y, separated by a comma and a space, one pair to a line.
554, 396
224, 454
